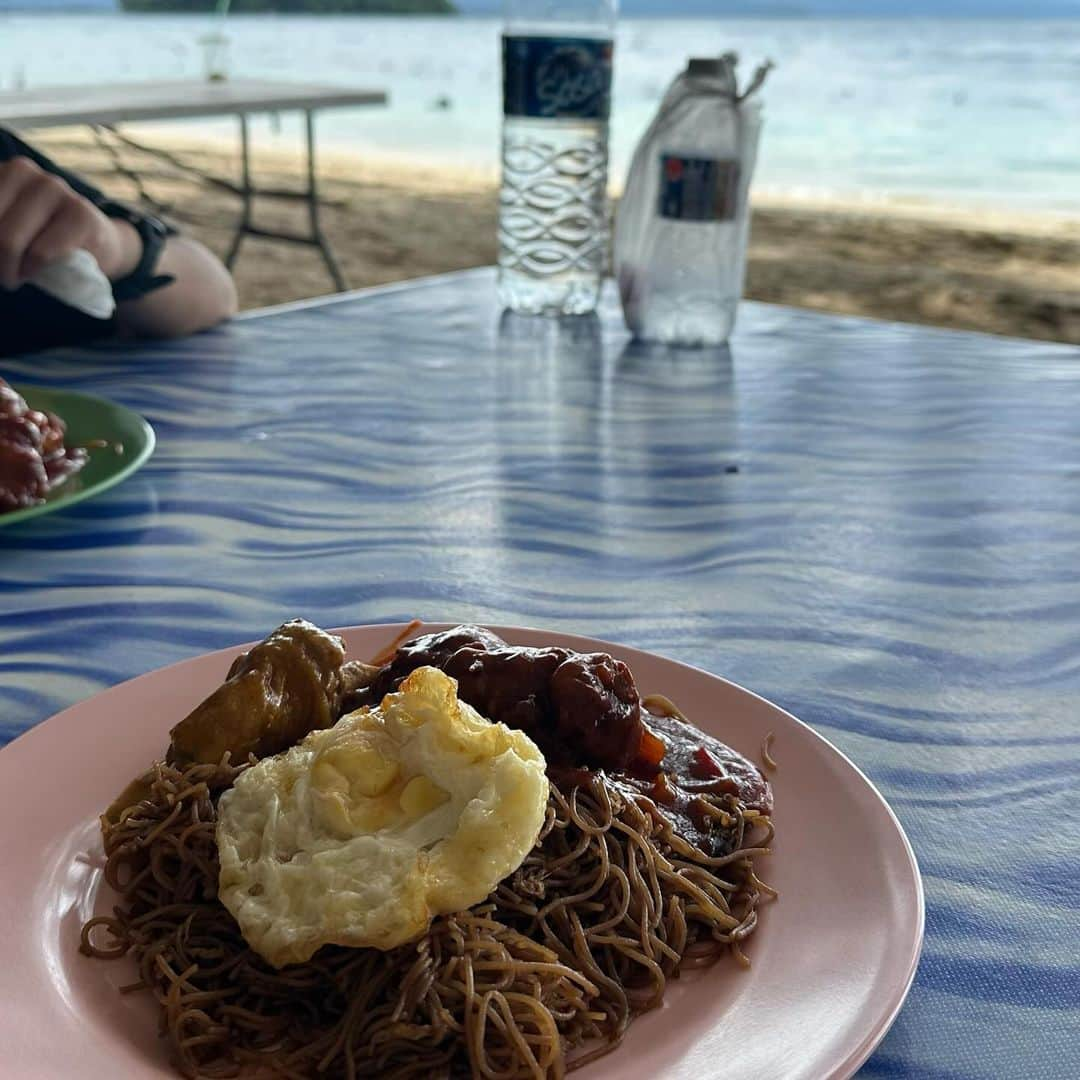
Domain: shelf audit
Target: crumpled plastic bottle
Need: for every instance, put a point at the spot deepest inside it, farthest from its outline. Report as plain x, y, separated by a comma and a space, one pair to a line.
683, 222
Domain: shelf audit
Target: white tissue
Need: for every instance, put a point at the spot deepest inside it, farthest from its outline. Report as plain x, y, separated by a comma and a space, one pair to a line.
77, 281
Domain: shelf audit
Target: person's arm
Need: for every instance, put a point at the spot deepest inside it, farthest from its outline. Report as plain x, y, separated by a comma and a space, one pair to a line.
43, 218
201, 293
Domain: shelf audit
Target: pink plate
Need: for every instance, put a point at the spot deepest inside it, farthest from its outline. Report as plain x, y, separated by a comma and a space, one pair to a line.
832, 959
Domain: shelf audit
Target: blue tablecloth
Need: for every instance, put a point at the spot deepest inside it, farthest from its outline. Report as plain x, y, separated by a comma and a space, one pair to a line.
876, 526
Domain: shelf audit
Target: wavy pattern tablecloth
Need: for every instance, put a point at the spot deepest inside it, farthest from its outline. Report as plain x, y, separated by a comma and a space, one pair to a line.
876, 526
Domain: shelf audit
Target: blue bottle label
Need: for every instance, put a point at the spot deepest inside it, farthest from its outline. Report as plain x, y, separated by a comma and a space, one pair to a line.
557, 77
698, 189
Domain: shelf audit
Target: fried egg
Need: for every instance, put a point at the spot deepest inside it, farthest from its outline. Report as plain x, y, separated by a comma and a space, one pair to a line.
362, 833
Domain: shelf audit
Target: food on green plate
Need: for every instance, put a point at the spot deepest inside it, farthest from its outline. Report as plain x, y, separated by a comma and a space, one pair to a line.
33, 456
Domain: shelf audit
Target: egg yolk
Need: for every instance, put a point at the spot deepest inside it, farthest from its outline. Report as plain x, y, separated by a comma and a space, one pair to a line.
358, 788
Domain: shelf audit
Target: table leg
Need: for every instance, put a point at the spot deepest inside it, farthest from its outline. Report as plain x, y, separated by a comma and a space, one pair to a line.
247, 193
313, 206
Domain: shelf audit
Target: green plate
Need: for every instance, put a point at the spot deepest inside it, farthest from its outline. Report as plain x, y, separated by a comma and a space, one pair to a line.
129, 438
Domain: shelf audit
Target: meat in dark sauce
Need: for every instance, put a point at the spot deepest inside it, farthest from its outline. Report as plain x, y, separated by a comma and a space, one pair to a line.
584, 712
33, 457
579, 708
696, 764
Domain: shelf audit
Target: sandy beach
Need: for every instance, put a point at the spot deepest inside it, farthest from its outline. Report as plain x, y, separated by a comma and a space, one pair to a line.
388, 220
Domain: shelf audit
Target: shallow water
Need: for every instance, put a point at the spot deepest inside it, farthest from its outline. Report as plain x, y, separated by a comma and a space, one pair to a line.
959, 110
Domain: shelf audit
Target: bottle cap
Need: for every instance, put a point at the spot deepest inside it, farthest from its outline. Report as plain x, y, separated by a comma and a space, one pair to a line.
714, 68
710, 66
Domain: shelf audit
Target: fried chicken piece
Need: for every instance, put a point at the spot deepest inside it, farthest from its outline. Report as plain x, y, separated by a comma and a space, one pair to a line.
287, 685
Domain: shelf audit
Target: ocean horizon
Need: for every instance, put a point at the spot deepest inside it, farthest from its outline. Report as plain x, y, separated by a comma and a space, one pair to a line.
960, 110
686, 9
50, 8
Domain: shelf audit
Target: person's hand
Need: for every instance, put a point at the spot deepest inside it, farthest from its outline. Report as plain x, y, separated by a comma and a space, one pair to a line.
42, 219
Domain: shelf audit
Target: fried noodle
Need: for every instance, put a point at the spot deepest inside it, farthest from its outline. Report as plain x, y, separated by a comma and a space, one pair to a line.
542, 977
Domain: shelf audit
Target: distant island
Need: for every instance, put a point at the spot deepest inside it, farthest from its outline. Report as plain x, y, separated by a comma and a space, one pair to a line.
728, 9
292, 7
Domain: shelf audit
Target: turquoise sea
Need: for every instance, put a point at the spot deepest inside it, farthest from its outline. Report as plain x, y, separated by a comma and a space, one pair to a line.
961, 110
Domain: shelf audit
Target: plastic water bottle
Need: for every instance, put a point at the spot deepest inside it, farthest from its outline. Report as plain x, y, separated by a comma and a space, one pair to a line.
553, 214
684, 220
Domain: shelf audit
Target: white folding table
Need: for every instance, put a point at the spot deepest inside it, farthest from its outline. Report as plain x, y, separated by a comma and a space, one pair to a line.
105, 107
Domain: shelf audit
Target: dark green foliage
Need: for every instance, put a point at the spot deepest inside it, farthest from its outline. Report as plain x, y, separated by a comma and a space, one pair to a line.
328, 7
